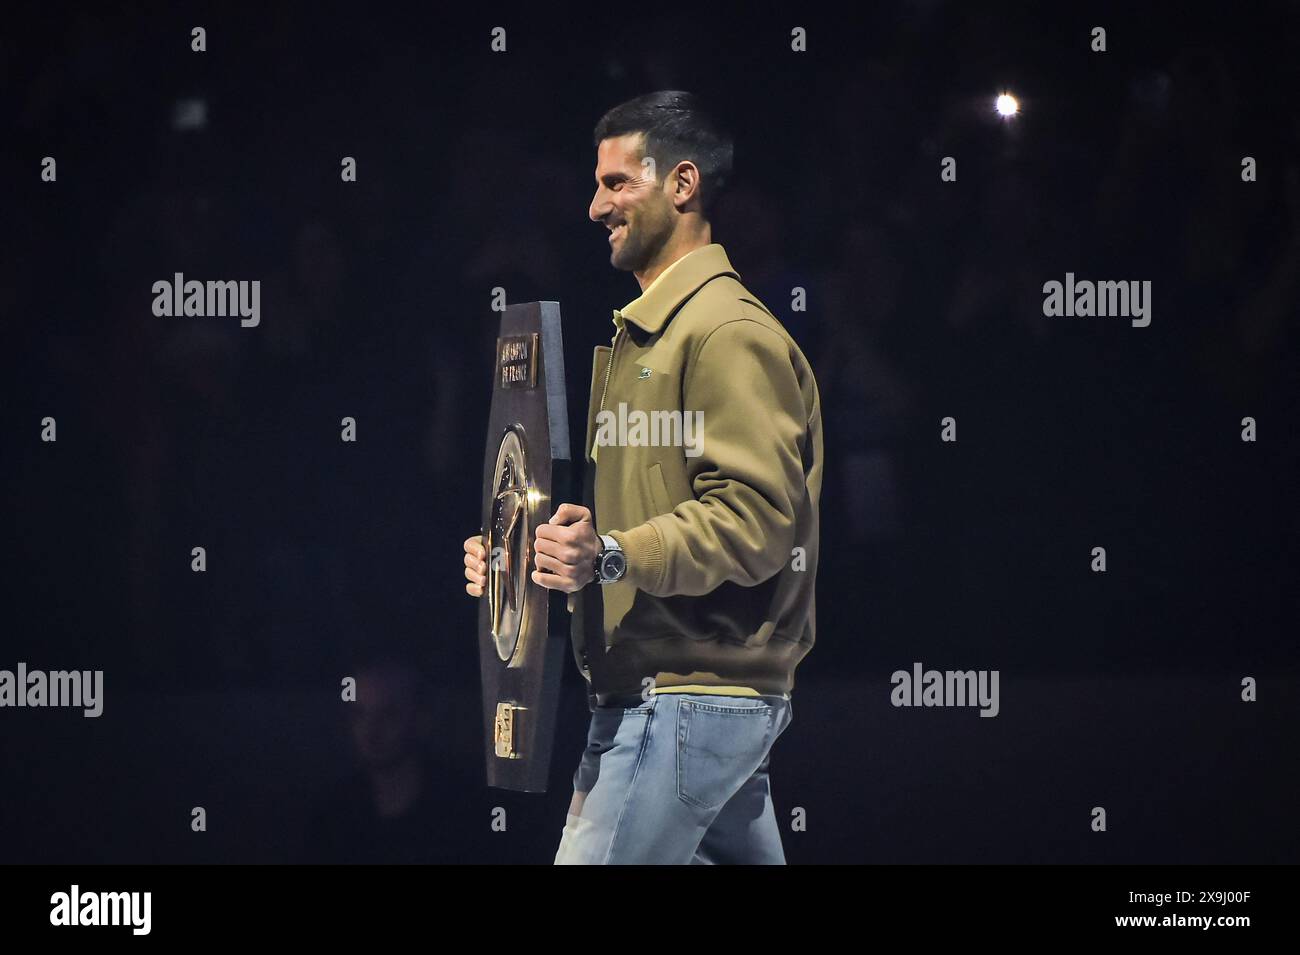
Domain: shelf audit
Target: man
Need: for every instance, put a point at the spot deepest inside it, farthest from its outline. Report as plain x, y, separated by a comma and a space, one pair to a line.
704, 447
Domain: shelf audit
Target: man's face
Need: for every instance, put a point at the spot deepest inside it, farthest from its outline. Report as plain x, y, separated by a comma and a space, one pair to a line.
630, 202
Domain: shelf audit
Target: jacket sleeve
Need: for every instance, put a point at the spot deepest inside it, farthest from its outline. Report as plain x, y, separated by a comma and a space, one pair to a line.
747, 480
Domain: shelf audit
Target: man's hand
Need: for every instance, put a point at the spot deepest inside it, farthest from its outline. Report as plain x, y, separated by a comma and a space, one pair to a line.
565, 550
475, 566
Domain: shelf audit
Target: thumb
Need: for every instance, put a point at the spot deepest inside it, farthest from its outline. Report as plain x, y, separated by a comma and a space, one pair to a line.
570, 514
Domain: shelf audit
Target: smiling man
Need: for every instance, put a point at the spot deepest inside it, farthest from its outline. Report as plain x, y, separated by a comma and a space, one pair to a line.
701, 555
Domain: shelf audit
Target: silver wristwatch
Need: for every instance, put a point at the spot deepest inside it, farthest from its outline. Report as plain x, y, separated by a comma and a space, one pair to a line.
611, 562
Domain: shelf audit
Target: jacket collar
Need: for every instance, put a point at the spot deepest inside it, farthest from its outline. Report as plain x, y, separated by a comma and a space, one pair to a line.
674, 286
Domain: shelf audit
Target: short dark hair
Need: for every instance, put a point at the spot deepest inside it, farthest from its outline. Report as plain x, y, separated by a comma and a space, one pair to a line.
677, 127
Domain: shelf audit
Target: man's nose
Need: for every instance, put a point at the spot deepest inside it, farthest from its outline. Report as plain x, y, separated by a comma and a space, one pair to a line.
599, 208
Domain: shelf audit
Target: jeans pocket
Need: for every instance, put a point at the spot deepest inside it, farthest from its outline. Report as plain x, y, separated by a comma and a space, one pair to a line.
719, 745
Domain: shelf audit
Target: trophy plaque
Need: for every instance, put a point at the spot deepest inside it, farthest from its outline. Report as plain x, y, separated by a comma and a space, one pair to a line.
527, 472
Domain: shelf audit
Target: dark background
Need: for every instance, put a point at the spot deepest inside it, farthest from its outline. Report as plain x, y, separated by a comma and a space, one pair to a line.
328, 559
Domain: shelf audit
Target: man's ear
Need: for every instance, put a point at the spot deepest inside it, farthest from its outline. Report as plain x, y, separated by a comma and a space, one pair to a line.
685, 181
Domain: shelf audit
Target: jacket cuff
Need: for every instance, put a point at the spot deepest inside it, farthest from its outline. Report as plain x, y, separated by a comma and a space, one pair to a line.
644, 551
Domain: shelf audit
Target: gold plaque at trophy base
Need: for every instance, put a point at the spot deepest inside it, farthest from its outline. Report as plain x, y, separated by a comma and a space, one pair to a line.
504, 730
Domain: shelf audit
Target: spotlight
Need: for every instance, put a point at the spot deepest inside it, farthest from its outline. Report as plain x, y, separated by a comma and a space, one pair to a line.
1007, 105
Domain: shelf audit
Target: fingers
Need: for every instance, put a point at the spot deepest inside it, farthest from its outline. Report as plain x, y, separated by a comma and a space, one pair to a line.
564, 548
555, 574
474, 582
564, 551
554, 582
570, 514
558, 557
475, 566
552, 564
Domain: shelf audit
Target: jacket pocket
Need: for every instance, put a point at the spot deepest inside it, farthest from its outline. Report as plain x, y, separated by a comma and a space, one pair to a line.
662, 503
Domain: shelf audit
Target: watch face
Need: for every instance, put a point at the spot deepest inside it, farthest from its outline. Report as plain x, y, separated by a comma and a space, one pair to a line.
613, 566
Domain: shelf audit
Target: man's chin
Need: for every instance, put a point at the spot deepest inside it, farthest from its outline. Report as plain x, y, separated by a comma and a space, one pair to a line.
624, 261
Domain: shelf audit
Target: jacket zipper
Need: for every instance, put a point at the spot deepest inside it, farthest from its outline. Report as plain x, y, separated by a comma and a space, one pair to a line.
609, 368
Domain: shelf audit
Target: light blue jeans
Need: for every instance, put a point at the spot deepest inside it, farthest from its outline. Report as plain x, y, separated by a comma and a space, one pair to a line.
681, 778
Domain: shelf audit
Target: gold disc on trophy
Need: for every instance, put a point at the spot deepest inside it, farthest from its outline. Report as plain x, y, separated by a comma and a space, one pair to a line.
509, 544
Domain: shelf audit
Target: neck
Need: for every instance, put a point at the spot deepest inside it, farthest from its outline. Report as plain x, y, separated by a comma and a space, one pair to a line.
684, 241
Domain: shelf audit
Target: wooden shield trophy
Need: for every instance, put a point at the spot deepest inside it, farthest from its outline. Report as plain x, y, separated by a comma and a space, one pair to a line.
527, 472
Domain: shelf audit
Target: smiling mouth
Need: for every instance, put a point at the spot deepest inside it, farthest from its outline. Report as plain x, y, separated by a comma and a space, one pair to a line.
618, 231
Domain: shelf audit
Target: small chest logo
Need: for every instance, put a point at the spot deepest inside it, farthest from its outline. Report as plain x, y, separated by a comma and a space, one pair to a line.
643, 374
